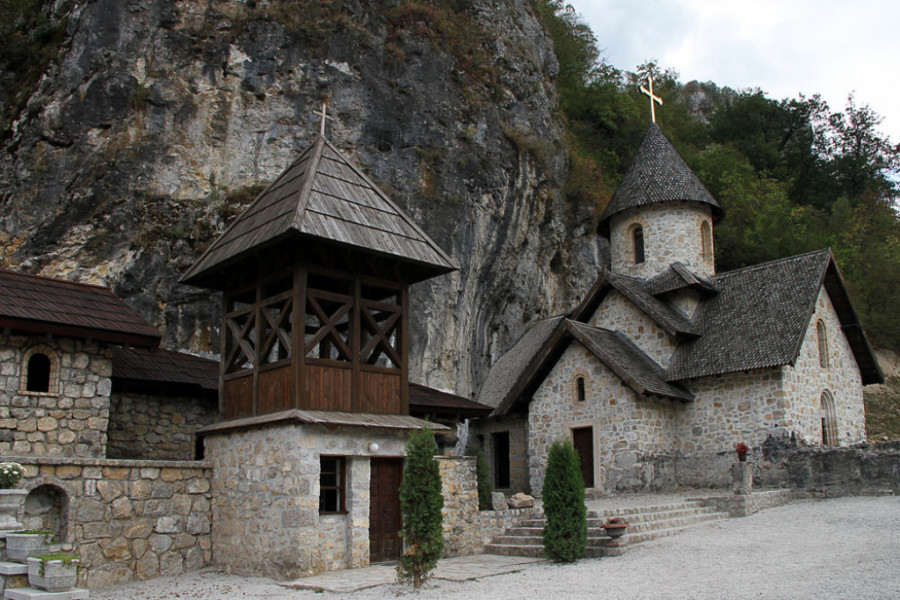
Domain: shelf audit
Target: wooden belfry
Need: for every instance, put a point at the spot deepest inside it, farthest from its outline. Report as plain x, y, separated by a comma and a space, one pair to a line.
315, 275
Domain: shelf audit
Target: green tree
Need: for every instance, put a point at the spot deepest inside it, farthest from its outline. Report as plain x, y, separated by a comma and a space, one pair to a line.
421, 502
565, 535
483, 476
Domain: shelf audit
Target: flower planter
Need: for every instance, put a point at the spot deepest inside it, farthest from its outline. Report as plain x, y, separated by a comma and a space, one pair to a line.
615, 531
19, 546
52, 575
11, 503
742, 477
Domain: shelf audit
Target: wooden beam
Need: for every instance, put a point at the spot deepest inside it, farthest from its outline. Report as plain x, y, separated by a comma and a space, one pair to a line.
298, 339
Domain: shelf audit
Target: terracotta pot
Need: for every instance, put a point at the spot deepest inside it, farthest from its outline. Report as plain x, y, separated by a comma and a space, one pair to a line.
615, 530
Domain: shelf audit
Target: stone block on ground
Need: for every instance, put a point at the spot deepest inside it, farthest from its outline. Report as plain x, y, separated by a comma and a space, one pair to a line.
498, 501
521, 500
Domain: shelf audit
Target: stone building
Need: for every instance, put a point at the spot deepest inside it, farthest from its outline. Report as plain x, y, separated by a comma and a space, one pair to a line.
666, 365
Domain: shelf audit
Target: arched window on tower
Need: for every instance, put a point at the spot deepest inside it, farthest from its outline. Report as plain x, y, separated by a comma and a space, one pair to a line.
580, 393
829, 420
40, 371
823, 344
637, 235
706, 251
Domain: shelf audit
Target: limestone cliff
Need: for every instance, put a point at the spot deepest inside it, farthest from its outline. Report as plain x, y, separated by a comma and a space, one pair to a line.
160, 120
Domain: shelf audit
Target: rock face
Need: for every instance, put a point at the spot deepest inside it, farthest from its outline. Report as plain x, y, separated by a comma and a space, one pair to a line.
161, 120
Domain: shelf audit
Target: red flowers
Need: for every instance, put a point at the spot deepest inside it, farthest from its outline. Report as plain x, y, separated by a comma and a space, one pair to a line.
742, 450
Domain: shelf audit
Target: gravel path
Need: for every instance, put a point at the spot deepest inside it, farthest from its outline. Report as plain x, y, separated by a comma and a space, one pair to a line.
840, 548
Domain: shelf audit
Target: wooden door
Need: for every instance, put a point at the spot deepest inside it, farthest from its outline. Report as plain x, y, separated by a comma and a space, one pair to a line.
385, 518
583, 439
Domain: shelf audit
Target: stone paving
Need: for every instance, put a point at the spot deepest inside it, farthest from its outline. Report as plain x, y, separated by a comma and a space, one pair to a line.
462, 568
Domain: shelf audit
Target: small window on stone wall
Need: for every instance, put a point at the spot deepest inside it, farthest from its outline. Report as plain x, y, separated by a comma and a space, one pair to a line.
580, 394
39, 372
332, 483
823, 344
706, 252
637, 235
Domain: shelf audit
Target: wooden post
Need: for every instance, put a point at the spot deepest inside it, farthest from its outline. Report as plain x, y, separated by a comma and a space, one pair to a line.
404, 350
298, 339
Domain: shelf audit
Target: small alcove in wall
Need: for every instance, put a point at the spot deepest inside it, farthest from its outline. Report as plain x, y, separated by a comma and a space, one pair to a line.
47, 507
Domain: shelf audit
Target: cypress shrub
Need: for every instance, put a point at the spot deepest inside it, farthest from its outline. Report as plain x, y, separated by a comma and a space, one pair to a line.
565, 535
421, 502
483, 476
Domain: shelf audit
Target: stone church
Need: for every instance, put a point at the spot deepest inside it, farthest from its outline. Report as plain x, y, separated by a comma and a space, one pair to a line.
666, 365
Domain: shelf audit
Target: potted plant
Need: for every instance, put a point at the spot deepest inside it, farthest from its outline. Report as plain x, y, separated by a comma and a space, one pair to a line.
11, 499
29, 542
56, 572
742, 450
615, 528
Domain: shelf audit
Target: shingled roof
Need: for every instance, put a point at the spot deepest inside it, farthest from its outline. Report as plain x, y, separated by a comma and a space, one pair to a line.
34, 304
760, 316
519, 372
663, 313
159, 370
426, 401
657, 174
322, 196
678, 277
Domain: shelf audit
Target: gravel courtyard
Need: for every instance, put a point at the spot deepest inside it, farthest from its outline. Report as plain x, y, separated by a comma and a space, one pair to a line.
838, 548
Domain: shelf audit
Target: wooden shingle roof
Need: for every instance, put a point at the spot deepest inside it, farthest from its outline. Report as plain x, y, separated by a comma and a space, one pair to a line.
156, 369
34, 304
424, 400
519, 372
657, 174
322, 196
760, 316
678, 277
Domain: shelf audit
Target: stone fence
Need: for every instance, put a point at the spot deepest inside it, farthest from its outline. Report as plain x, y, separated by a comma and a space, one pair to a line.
128, 519
495, 522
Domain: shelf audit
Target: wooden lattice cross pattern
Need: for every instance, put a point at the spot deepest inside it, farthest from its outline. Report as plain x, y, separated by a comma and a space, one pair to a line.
276, 327
241, 328
381, 322
332, 313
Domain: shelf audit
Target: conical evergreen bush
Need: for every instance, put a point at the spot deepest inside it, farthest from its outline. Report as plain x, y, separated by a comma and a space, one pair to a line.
565, 535
421, 502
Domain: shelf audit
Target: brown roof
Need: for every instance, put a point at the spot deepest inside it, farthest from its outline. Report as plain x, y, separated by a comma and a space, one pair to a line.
164, 370
425, 401
35, 304
657, 174
760, 316
323, 196
325, 417
678, 277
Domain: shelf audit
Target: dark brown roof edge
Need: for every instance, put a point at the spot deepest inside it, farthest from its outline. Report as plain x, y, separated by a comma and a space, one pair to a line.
309, 417
74, 331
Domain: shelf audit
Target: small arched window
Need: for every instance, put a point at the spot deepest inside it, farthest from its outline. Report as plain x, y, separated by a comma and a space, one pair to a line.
40, 371
829, 420
637, 235
580, 393
706, 252
823, 344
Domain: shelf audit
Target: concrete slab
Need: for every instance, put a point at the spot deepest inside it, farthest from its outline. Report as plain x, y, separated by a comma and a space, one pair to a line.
462, 568
27, 593
13, 568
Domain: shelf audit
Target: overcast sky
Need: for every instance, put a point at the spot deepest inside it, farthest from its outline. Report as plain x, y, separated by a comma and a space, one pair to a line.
784, 47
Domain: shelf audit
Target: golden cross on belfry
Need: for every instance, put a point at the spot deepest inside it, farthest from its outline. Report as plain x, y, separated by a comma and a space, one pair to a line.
653, 98
324, 115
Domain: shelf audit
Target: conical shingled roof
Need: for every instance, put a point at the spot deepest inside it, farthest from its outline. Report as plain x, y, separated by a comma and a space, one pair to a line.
657, 174
322, 196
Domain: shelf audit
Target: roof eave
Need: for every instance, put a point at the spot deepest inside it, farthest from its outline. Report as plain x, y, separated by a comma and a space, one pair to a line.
142, 340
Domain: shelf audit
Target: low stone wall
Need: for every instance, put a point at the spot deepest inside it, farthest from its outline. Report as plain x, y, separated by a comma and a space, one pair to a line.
127, 519
460, 488
494, 522
865, 469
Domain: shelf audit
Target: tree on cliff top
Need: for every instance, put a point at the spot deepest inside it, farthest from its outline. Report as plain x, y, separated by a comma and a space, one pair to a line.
421, 502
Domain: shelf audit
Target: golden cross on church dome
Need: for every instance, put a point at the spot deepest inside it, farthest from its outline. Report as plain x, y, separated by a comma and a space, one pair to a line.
653, 98
325, 116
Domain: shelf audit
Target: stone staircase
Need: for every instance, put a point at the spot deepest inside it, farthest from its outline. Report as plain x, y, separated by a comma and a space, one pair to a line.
645, 523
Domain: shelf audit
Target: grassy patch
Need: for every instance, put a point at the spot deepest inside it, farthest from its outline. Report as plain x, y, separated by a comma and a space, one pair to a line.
883, 412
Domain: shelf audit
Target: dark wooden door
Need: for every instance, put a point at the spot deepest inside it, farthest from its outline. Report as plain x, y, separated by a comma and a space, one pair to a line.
501, 459
385, 518
583, 439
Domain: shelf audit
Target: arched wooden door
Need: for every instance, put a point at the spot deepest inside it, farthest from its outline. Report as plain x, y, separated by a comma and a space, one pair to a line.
583, 440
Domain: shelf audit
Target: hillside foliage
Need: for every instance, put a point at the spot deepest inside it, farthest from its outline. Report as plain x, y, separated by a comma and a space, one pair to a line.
793, 174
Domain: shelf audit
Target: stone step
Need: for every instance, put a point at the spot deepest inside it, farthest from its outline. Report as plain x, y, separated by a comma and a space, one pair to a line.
529, 550
27, 593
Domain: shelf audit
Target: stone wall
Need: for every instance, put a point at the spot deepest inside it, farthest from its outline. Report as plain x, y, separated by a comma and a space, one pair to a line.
152, 427
671, 233
266, 497
495, 522
461, 522
805, 382
68, 420
618, 313
127, 519
517, 426
626, 428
